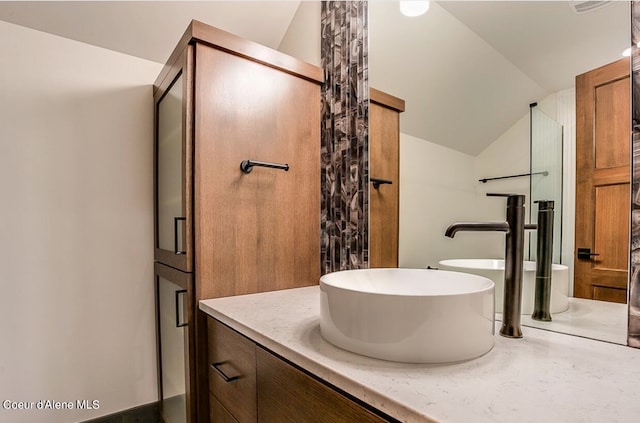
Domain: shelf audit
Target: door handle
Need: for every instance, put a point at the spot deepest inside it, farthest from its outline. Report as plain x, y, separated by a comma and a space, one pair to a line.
176, 248
180, 310
586, 254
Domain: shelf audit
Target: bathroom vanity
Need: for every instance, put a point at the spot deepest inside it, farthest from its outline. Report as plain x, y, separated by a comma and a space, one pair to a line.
248, 383
545, 376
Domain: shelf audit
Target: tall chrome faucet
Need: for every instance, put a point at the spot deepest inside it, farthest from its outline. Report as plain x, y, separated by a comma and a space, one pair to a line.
513, 258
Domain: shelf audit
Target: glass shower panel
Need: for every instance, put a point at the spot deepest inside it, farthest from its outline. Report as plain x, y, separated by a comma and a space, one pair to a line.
546, 176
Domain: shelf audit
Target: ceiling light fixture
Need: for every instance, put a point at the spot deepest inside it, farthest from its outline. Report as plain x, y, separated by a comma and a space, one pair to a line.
627, 52
413, 8
585, 6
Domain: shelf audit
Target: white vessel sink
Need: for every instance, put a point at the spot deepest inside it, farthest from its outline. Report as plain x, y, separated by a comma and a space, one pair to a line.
408, 315
494, 270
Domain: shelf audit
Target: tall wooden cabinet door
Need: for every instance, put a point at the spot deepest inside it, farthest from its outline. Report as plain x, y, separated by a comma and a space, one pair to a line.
603, 136
173, 158
176, 344
255, 231
384, 174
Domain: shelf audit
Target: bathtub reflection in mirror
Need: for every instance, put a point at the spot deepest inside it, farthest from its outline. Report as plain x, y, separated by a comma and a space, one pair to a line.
468, 72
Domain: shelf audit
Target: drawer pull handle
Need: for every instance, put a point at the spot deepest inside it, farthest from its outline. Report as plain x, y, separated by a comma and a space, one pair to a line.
216, 367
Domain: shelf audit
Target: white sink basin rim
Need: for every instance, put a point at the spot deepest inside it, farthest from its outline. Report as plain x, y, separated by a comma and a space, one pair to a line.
408, 315
494, 270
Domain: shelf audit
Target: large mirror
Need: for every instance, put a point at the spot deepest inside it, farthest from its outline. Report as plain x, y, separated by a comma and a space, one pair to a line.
469, 73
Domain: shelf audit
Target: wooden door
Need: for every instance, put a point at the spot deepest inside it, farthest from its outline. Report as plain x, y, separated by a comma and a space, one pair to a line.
603, 133
384, 161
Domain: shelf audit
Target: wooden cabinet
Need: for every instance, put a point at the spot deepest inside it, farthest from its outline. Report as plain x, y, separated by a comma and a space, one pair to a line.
384, 171
287, 394
256, 231
218, 413
220, 101
250, 384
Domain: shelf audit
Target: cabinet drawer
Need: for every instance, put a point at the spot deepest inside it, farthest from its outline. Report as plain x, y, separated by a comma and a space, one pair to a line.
217, 413
286, 394
232, 371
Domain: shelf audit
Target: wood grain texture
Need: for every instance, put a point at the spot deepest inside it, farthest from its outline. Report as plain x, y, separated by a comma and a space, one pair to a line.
262, 234
384, 163
219, 414
612, 240
202, 366
612, 142
606, 293
602, 180
259, 231
236, 356
286, 394
206, 34
386, 100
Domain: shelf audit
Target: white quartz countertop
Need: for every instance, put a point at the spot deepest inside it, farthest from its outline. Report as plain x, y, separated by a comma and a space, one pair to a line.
543, 377
588, 318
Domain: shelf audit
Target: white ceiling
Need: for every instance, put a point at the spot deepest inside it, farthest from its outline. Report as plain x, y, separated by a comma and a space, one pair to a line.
467, 70
150, 29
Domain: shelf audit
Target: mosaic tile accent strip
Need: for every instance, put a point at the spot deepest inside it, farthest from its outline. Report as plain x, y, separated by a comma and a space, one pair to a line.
634, 285
345, 144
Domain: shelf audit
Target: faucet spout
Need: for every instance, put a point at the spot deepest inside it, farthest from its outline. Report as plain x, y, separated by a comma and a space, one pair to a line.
476, 227
514, 228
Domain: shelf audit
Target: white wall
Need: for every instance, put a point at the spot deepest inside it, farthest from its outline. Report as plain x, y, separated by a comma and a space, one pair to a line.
302, 39
441, 186
76, 308
437, 188
566, 115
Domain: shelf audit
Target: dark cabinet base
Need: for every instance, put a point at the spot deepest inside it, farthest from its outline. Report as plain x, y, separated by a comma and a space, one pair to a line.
270, 390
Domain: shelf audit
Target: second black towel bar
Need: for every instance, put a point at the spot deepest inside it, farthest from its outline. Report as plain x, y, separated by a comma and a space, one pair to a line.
377, 182
484, 180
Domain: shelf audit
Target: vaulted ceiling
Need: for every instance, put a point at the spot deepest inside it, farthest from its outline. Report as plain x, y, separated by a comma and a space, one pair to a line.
467, 70
150, 29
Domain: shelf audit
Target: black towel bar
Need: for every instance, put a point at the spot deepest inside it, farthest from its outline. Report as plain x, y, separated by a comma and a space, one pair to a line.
484, 181
377, 182
247, 165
